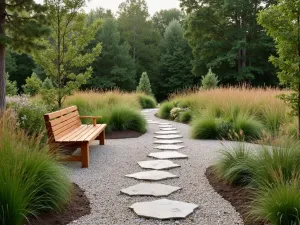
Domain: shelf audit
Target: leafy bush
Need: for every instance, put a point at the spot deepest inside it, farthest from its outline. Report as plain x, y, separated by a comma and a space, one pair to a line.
174, 113
279, 204
186, 116
31, 181
11, 86
210, 80
165, 109
251, 128
33, 85
204, 128
47, 84
224, 129
233, 165
121, 118
147, 102
144, 85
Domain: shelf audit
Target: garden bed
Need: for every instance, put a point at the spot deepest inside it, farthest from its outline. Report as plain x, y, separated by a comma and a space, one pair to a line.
77, 207
239, 197
123, 134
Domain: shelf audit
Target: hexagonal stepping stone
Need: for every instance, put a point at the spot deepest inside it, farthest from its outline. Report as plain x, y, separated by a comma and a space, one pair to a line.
169, 147
168, 142
164, 209
152, 175
168, 155
167, 132
168, 128
171, 136
158, 164
150, 189
165, 126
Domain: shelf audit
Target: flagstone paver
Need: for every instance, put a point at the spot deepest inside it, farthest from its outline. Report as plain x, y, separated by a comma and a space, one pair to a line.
171, 136
168, 128
167, 132
164, 209
168, 142
165, 126
158, 164
168, 155
169, 147
150, 189
152, 175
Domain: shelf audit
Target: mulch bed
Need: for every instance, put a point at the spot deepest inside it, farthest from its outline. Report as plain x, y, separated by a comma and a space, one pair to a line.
239, 197
77, 207
123, 134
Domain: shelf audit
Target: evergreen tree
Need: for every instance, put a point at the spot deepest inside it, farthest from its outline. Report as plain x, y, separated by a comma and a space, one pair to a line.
21, 22
210, 80
114, 67
33, 85
64, 59
144, 84
175, 61
47, 84
11, 86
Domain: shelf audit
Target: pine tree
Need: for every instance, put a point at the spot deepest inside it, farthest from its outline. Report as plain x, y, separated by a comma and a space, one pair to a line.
144, 85
33, 85
210, 80
47, 84
21, 23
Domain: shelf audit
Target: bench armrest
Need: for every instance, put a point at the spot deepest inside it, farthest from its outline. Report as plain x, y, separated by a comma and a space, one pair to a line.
94, 118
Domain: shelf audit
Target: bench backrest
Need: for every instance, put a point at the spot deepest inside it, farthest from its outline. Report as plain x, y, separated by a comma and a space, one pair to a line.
62, 122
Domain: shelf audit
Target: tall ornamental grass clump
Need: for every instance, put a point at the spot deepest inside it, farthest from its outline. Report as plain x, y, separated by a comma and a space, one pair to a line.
165, 109
147, 102
31, 180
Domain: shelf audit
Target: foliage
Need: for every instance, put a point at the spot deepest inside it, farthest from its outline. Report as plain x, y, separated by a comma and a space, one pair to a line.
31, 180
147, 102
282, 23
64, 59
11, 86
225, 36
185, 116
33, 85
175, 61
47, 84
165, 109
114, 67
174, 113
144, 85
210, 80
204, 128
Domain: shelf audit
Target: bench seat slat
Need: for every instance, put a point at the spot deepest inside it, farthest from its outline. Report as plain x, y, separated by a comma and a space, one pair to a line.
72, 134
93, 133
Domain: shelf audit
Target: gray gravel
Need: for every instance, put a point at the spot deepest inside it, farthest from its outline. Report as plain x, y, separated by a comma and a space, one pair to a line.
104, 179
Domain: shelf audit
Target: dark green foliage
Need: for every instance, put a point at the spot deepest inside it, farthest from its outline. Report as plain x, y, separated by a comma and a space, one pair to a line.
224, 129
33, 85
11, 86
185, 116
114, 67
225, 36
204, 128
144, 85
147, 102
175, 61
247, 126
31, 181
165, 109
209, 81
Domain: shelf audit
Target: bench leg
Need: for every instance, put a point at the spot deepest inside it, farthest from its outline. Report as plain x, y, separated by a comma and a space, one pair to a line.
85, 158
102, 138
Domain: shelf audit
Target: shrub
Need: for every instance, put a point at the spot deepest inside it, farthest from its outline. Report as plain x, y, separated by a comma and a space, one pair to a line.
251, 128
147, 102
186, 116
165, 109
224, 128
11, 86
210, 80
144, 85
47, 84
278, 204
204, 128
33, 85
31, 181
233, 165
174, 113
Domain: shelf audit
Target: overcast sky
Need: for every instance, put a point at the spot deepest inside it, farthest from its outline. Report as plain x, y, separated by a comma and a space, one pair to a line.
153, 5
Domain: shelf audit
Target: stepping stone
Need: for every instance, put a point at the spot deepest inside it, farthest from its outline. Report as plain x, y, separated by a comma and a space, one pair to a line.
168, 136
153, 122
165, 126
168, 129
168, 155
164, 209
169, 147
167, 132
168, 142
150, 189
152, 175
158, 164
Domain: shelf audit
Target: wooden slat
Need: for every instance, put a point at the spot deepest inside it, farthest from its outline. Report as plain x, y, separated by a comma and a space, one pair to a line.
92, 133
95, 134
68, 126
61, 112
73, 134
87, 130
61, 119
65, 123
65, 132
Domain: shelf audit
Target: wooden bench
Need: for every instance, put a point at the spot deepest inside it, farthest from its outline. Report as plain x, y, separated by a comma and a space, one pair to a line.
64, 128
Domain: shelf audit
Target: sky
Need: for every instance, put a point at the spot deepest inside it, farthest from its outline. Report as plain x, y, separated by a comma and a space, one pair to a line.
153, 5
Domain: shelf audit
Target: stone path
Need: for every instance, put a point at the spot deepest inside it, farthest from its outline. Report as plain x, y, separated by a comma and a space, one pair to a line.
114, 197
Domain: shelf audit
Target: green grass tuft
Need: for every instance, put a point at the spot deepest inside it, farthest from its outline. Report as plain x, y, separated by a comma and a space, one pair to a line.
165, 109
147, 102
185, 117
204, 128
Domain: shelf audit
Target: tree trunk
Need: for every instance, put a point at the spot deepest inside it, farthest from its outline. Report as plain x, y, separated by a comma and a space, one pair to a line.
2, 57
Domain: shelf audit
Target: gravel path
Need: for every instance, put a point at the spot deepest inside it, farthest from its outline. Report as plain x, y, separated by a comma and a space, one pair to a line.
108, 165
